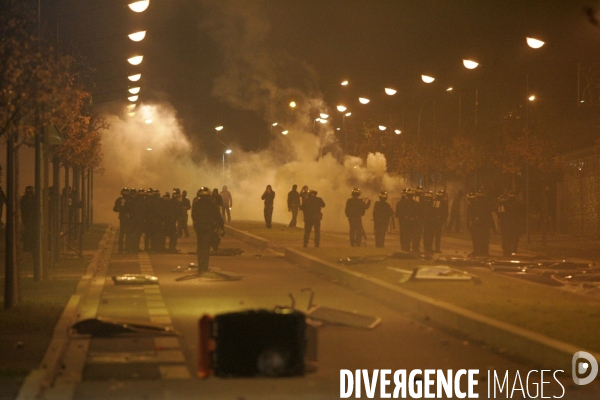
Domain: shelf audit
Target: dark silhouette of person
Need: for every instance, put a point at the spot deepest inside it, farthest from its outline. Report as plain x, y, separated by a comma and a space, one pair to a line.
312, 217
293, 202
269, 197
207, 219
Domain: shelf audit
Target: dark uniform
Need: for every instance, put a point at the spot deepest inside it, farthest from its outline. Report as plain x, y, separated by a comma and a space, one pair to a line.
121, 207
510, 216
455, 213
355, 209
28, 217
215, 239
312, 217
206, 218
136, 211
481, 224
182, 223
293, 202
411, 223
382, 212
440, 215
400, 214
269, 197
227, 204
427, 220
173, 213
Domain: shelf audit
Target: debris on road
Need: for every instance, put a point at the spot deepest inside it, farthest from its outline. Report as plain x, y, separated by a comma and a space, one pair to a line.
135, 279
102, 327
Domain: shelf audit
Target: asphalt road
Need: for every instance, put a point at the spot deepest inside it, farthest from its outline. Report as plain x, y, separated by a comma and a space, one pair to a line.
146, 367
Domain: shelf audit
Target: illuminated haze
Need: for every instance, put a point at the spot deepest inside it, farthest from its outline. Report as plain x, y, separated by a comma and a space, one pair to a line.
252, 79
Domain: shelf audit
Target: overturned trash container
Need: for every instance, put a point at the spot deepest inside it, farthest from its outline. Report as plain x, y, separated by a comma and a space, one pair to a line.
254, 343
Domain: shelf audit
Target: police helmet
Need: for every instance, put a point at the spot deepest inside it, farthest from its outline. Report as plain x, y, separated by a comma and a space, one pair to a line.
419, 189
203, 191
156, 192
383, 196
355, 192
440, 194
410, 192
29, 190
470, 196
511, 194
176, 191
428, 195
141, 191
124, 191
480, 193
312, 192
502, 198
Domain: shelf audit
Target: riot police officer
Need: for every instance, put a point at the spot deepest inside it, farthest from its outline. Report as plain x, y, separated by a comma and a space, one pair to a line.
481, 224
206, 219
401, 214
427, 220
355, 209
440, 215
121, 207
312, 216
382, 212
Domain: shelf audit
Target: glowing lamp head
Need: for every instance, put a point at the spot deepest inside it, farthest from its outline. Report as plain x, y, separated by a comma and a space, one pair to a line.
228, 151
398, 131
382, 128
137, 36
139, 6
324, 116
531, 98
274, 124
284, 132
363, 100
427, 79
347, 114
470, 64
293, 104
134, 78
219, 128
134, 90
344, 83
137, 60
390, 91
449, 89
148, 121
322, 120
341, 108
534, 43
133, 98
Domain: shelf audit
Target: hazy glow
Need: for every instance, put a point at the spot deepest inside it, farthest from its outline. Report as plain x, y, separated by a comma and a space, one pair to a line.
382, 128
134, 78
534, 43
133, 98
532, 97
345, 83
363, 100
137, 36
449, 89
390, 91
284, 132
139, 6
137, 60
131, 114
130, 107
324, 116
398, 131
218, 128
148, 121
427, 79
341, 108
149, 149
293, 104
228, 151
134, 90
469, 64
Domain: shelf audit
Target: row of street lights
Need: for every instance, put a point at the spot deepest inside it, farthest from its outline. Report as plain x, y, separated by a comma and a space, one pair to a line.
134, 91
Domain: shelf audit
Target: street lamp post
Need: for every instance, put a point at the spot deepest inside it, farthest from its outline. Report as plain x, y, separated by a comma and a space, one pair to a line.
228, 151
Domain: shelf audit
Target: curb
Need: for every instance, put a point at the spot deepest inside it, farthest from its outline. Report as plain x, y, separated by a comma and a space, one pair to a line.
43, 376
247, 237
509, 339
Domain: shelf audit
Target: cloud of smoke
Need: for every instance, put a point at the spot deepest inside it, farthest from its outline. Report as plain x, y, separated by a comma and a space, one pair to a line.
256, 79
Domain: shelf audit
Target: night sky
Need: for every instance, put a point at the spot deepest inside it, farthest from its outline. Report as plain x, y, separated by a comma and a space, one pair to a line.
239, 63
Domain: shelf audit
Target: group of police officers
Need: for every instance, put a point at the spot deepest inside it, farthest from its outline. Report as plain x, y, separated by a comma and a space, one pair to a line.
422, 216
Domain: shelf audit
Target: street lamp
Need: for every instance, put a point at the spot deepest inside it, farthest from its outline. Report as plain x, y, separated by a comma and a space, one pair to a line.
534, 43
363, 100
470, 64
219, 128
344, 83
382, 127
390, 91
427, 79
136, 60
134, 78
324, 116
133, 98
134, 90
284, 132
228, 151
293, 104
139, 6
137, 36
341, 108
398, 131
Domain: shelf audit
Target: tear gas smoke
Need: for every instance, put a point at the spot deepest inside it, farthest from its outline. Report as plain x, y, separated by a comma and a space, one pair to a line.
253, 78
